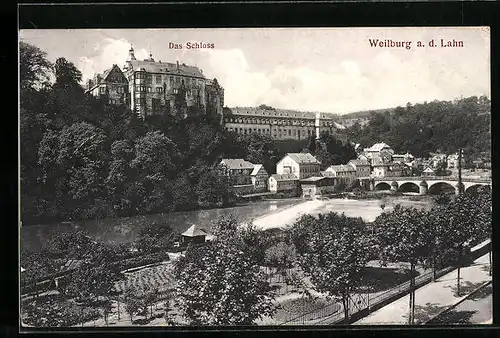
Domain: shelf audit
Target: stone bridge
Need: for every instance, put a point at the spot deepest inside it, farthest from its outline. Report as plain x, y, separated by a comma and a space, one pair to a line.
423, 185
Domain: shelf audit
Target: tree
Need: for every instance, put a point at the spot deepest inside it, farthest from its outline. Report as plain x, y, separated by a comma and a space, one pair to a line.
214, 189
34, 68
334, 256
404, 235
281, 256
66, 73
155, 237
218, 284
132, 303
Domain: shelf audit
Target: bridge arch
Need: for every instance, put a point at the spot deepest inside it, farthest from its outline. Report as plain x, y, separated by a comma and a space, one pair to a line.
475, 188
411, 186
439, 188
382, 186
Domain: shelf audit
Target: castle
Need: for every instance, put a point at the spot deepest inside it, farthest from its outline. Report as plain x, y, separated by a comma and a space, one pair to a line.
155, 88
152, 87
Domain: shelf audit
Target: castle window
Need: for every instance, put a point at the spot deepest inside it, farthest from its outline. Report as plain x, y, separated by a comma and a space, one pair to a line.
149, 89
102, 90
159, 90
176, 91
158, 78
171, 80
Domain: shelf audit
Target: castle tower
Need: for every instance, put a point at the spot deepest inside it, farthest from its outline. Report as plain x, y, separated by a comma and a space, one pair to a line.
131, 55
317, 124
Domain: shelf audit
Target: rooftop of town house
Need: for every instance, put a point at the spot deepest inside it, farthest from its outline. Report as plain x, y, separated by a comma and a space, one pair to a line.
312, 179
256, 169
237, 163
378, 147
284, 177
428, 170
360, 162
341, 168
378, 162
194, 231
303, 158
327, 174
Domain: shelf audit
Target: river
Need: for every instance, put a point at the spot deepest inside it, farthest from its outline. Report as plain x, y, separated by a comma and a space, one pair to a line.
265, 214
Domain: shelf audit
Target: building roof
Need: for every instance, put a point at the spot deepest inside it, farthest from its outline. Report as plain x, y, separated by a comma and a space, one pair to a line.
377, 147
286, 113
166, 68
327, 174
237, 163
284, 177
341, 168
360, 162
256, 169
313, 179
378, 162
428, 170
303, 158
194, 231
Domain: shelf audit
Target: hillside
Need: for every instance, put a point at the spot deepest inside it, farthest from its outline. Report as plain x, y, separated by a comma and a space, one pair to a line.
429, 127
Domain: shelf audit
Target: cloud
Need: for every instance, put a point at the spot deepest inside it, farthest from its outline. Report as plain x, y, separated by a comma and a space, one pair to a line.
105, 54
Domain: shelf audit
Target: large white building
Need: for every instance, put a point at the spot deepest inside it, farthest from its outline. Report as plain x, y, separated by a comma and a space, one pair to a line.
302, 165
282, 124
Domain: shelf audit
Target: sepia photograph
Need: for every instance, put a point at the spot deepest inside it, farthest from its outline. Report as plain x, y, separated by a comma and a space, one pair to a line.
255, 177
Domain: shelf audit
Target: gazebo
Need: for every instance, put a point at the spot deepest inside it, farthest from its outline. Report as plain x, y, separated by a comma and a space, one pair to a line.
194, 235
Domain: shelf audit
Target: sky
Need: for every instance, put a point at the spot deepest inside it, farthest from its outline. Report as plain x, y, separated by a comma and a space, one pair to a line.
334, 70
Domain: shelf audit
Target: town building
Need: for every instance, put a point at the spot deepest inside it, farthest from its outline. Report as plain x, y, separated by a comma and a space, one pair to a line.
403, 158
362, 167
155, 88
316, 186
238, 170
347, 172
380, 168
282, 124
428, 172
259, 178
452, 162
302, 165
111, 85
396, 169
284, 183
379, 150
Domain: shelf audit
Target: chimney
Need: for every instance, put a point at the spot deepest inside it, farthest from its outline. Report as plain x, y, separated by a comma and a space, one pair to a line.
177, 65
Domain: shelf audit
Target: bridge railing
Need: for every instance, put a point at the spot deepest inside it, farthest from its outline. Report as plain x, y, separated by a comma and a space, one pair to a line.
432, 178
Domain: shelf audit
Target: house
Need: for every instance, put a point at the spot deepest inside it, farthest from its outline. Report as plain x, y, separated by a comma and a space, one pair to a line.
452, 162
302, 165
403, 158
345, 171
314, 186
111, 85
380, 168
428, 172
380, 150
259, 178
238, 170
396, 169
194, 235
362, 167
286, 183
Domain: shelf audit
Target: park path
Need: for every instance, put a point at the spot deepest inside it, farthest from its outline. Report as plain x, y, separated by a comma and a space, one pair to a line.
433, 298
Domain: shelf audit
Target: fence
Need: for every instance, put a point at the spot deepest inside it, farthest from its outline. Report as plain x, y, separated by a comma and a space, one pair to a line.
360, 305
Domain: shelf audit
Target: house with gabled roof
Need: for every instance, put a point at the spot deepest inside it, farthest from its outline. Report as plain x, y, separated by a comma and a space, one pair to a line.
362, 167
111, 85
259, 178
194, 235
285, 183
302, 165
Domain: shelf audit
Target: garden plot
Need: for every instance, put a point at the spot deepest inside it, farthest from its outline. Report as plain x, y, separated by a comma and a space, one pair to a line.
160, 277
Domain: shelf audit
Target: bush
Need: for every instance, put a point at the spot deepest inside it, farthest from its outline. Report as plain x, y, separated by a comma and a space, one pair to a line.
55, 311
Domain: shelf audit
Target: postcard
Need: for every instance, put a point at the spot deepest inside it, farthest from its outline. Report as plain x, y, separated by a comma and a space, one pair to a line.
255, 176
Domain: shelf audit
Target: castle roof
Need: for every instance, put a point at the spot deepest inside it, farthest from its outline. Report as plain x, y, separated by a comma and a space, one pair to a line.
166, 68
287, 113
